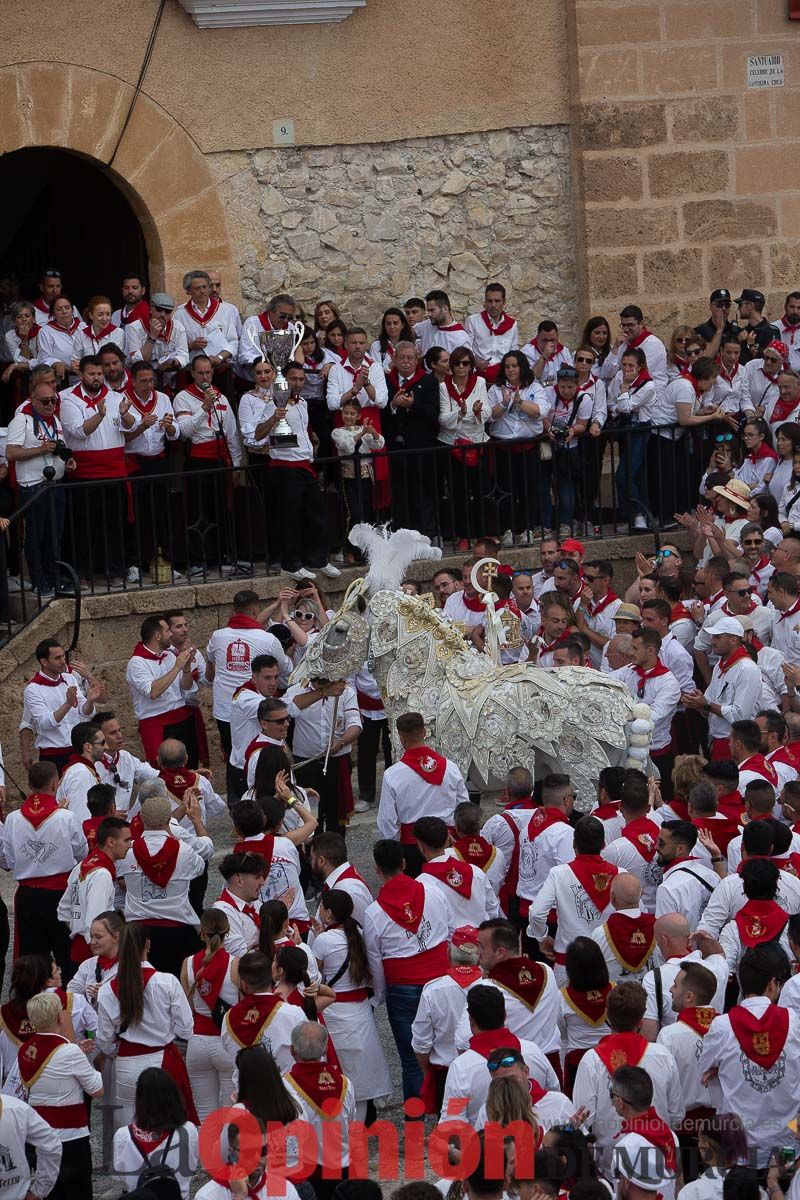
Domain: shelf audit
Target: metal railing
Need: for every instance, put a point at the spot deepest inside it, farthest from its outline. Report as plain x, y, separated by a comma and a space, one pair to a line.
156, 530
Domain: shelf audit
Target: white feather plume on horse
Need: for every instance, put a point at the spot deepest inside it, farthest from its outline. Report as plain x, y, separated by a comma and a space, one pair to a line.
390, 554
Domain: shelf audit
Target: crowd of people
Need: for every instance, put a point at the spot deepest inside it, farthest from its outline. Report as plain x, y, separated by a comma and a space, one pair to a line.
452, 429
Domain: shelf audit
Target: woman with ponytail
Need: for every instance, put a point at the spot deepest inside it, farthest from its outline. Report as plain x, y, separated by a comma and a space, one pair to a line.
104, 934
210, 979
276, 930
342, 960
293, 983
140, 1013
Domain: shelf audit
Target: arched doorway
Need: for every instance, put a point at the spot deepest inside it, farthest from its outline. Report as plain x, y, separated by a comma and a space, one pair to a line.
65, 212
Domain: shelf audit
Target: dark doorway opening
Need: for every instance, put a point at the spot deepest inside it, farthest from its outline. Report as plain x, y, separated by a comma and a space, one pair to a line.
65, 212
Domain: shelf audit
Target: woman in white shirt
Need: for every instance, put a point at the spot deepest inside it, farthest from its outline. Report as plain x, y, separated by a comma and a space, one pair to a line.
252, 409
568, 414
210, 979
57, 336
97, 332
632, 402
22, 340
593, 448
159, 1134
464, 410
519, 406
394, 328
722, 1144
760, 459
582, 1019
787, 439
789, 506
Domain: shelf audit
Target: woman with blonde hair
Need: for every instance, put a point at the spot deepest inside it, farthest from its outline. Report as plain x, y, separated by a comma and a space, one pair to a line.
677, 362
210, 979
97, 332
688, 770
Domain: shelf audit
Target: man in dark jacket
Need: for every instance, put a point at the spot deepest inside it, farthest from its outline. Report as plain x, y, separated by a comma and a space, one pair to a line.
412, 422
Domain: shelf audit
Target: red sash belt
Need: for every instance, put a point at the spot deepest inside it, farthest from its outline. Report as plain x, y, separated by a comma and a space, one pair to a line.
151, 729
100, 464
135, 1049
48, 883
63, 1116
353, 996
668, 749
417, 969
303, 924
296, 464
172, 1062
163, 922
216, 450
205, 1025
560, 958
369, 703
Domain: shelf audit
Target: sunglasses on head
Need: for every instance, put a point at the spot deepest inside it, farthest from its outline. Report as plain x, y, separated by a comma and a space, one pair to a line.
508, 1060
723, 437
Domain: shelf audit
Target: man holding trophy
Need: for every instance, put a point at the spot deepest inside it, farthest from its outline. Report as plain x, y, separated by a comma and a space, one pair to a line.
294, 489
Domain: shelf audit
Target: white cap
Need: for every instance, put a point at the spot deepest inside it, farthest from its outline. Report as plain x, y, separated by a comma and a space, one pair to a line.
727, 625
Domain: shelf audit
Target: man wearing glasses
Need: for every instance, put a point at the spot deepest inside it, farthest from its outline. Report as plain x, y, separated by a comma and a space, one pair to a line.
758, 562
634, 334
157, 339
277, 315
36, 446
738, 602
273, 726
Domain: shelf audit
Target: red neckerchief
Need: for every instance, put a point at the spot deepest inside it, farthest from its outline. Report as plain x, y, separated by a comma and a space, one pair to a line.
650, 1126
476, 850
266, 321
46, 681
178, 781
473, 603
790, 612
79, 760
653, 673
680, 808
782, 410
493, 1039
722, 830
263, 846
90, 828
621, 1050
158, 867
450, 328
731, 806
98, 860
140, 311
591, 1006
712, 600
465, 975
640, 337
761, 1038
35, 1053
210, 976
763, 451
550, 646
89, 401
450, 872
764, 561
145, 407
147, 974
607, 812
141, 651
687, 375
15, 1021
698, 1018
759, 764
245, 687
543, 818
609, 598
786, 756
247, 909
322, 1085
643, 836
248, 1019
351, 873
105, 963
426, 763
631, 939
504, 325
145, 1140
104, 333
641, 379
460, 398
594, 875
737, 656
522, 977
395, 378
200, 318
676, 862
760, 921
242, 621
70, 329
38, 807
403, 901
728, 378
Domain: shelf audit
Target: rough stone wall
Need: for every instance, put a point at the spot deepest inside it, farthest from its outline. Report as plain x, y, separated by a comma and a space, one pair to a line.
690, 176
369, 225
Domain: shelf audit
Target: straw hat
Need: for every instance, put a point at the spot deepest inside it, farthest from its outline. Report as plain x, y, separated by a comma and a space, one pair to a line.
736, 491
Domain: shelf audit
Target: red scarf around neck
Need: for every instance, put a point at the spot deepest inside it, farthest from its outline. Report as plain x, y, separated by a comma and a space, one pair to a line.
634, 343
762, 1039
460, 398
158, 867
178, 780
650, 1126
202, 318
322, 1086
98, 860
504, 325
426, 763
631, 939
760, 921
594, 875
210, 976
241, 906
737, 656
403, 901
450, 872
493, 1039
621, 1050
242, 621
476, 850
141, 651
591, 1006
395, 379
38, 807
522, 977
543, 818
643, 835
698, 1018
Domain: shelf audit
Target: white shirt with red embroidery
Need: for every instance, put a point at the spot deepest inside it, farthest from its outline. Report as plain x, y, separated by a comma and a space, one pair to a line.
170, 346
219, 328
151, 442
41, 701
78, 407
623, 854
230, 652
729, 898
538, 1025
341, 379
87, 341
449, 337
405, 797
204, 428
577, 913
385, 939
85, 899
63, 1079
488, 343
551, 846
616, 971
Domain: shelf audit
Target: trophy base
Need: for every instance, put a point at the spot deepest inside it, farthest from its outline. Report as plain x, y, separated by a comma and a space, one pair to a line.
283, 439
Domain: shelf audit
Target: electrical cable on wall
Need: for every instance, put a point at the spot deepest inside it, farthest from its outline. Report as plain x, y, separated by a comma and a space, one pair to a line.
148, 54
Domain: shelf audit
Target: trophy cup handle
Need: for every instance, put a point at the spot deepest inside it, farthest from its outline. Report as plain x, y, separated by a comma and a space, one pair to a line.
255, 341
298, 330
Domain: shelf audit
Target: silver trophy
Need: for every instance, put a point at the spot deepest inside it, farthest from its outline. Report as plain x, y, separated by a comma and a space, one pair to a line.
278, 346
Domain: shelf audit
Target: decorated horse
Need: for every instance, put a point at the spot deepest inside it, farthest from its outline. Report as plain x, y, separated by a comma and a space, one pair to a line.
487, 718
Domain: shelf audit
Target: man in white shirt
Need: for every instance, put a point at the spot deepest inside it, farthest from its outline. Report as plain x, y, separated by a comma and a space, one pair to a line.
55, 702
145, 455
261, 1016
774, 738
313, 1082
687, 883
279, 312
80, 774
329, 862
692, 1000
118, 767
634, 848
657, 614
650, 682
230, 653
134, 305
21, 1126
546, 353
645, 1155
94, 420
327, 723
157, 340
626, 939
421, 783
461, 885
493, 332
782, 591
160, 684
734, 693
90, 887
243, 875
633, 333
358, 377
595, 613
753, 1051
439, 328
547, 839
729, 898
673, 938
210, 328
244, 722
32, 445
